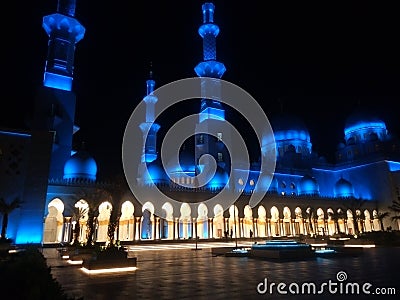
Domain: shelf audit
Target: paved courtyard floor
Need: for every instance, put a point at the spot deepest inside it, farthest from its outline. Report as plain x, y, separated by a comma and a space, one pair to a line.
175, 272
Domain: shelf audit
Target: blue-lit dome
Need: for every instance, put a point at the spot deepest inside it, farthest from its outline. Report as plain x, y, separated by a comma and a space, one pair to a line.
363, 125
80, 166
308, 186
343, 188
290, 132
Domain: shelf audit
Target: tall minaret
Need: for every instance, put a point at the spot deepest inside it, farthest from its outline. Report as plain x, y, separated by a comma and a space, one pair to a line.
212, 114
55, 102
210, 67
64, 32
149, 127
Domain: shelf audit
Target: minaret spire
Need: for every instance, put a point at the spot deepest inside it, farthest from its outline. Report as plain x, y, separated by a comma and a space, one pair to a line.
210, 67
64, 32
149, 127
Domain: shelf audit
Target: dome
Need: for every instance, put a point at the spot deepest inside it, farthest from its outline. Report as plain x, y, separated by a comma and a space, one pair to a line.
343, 188
80, 166
363, 124
308, 186
362, 115
286, 126
291, 135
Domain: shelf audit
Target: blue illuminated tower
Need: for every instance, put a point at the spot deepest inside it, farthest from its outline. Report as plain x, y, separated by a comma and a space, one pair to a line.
210, 67
212, 113
55, 103
149, 128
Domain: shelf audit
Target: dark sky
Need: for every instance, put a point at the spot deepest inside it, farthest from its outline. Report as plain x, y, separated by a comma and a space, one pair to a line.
318, 59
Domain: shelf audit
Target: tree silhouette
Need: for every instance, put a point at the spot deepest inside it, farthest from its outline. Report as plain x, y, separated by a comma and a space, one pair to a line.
381, 216
395, 208
116, 190
5, 209
354, 205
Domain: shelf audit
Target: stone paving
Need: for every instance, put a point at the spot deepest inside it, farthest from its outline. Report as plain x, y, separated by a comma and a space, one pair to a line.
197, 274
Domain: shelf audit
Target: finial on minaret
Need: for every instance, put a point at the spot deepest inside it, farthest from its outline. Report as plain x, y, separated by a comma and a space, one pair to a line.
280, 104
66, 7
208, 12
150, 83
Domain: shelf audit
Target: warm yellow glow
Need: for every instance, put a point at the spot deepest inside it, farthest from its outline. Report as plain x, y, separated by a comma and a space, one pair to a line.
362, 246
319, 245
75, 262
111, 270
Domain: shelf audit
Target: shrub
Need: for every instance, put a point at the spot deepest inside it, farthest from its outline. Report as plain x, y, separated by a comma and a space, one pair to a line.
25, 275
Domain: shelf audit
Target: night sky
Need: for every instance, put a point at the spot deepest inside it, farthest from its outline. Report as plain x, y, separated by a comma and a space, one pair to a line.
317, 59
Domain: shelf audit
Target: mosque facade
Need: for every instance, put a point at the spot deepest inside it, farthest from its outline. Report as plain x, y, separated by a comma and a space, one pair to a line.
304, 195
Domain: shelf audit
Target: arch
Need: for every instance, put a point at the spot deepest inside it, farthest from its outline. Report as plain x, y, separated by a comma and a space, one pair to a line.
248, 222
79, 220
275, 224
103, 220
53, 224
126, 222
262, 222
367, 221
331, 222
53, 227
202, 221
218, 222
185, 221
167, 221
147, 231
298, 221
233, 224
287, 222
320, 221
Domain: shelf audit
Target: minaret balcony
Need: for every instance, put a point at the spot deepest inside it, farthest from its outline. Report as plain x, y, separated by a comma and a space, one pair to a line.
210, 68
209, 28
59, 22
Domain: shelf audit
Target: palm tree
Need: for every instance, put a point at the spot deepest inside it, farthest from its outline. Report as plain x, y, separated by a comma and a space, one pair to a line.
381, 216
395, 208
5, 209
311, 218
94, 199
354, 205
117, 190
78, 212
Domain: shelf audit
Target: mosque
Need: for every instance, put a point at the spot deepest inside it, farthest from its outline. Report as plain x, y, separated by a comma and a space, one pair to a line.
303, 195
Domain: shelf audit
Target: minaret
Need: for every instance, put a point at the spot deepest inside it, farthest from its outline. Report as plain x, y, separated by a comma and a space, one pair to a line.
210, 67
149, 128
55, 102
212, 114
64, 32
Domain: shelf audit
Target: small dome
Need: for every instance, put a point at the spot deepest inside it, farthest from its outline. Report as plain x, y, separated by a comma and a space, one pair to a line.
80, 166
361, 115
363, 124
308, 186
343, 188
289, 127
